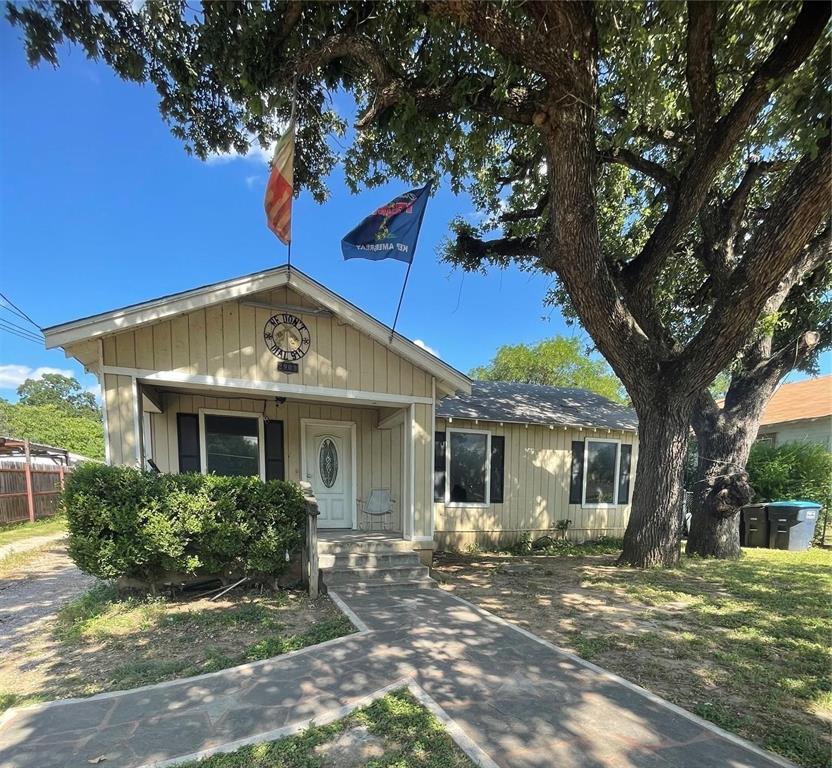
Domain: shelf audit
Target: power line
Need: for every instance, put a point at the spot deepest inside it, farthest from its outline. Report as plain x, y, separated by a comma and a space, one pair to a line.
19, 311
20, 327
20, 331
33, 339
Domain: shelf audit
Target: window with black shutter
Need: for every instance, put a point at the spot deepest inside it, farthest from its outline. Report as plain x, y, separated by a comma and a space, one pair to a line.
187, 429
576, 485
439, 466
624, 474
498, 450
275, 467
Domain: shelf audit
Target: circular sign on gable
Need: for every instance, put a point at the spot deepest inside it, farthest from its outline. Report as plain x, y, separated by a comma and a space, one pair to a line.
286, 336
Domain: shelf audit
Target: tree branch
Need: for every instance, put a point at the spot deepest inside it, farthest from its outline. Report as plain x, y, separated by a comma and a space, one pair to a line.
698, 176
776, 248
470, 252
636, 162
700, 70
489, 22
391, 88
525, 213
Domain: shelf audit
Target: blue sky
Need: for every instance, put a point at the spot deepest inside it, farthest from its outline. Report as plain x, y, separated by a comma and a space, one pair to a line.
101, 207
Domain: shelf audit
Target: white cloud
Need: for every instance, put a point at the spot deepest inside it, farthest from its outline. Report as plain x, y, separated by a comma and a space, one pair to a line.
252, 180
255, 153
96, 391
423, 345
12, 376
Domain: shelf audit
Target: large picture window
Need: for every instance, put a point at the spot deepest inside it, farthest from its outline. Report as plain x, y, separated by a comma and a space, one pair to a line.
601, 473
232, 444
468, 467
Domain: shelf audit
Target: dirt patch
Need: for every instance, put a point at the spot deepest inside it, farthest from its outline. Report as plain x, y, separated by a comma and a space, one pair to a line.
101, 643
353, 748
741, 644
35, 583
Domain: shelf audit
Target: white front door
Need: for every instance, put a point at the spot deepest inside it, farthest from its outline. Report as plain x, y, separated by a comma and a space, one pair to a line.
328, 466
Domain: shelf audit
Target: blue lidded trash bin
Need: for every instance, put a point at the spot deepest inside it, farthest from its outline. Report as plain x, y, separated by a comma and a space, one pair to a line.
792, 524
753, 526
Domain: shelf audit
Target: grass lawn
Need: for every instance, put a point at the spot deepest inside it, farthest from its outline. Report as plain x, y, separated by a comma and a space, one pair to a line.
100, 642
9, 534
395, 731
743, 644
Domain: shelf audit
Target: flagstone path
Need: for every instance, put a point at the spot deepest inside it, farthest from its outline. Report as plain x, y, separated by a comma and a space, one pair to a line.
521, 700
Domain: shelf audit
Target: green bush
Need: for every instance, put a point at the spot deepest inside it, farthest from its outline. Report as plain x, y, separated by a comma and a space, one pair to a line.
124, 522
800, 471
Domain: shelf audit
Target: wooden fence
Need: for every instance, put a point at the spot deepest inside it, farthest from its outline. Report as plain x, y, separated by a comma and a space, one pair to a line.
29, 492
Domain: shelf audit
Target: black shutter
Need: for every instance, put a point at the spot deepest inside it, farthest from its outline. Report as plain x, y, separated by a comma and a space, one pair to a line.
187, 428
624, 474
576, 485
498, 451
439, 466
275, 467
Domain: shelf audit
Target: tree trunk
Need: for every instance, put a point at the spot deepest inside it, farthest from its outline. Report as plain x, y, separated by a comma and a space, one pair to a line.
654, 531
722, 487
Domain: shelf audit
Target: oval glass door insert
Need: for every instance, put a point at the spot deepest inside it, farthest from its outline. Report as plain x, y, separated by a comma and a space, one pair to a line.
328, 462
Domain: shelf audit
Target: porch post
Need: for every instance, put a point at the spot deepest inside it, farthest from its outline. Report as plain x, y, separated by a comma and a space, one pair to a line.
409, 509
312, 569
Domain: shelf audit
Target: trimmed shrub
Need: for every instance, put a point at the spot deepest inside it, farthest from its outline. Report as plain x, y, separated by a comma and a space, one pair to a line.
125, 522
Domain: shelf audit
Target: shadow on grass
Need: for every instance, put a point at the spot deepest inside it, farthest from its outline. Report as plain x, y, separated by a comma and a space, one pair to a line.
743, 644
100, 642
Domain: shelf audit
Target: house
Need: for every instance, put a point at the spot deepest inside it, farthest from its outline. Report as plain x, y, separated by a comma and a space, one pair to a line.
272, 374
799, 412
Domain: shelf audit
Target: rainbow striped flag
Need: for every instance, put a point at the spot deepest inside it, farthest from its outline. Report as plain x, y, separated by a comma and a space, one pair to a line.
278, 201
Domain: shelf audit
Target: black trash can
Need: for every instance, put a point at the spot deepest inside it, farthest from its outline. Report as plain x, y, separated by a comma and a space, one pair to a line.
753, 526
792, 524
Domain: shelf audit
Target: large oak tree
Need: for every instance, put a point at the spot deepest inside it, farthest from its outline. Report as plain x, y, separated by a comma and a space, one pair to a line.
555, 114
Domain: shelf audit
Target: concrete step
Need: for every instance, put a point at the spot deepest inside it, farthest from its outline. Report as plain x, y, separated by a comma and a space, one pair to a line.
364, 547
368, 560
360, 586
391, 575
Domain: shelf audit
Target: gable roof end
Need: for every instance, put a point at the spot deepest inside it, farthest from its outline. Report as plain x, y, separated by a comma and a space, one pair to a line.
144, 313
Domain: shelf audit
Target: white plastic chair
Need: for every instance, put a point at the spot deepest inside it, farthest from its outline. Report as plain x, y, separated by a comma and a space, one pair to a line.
377, 509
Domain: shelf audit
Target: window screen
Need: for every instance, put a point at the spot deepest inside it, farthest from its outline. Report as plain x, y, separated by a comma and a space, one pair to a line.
232, 445
600, 472
468, 461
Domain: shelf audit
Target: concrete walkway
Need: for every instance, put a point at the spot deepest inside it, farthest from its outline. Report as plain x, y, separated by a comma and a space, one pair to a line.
522, 701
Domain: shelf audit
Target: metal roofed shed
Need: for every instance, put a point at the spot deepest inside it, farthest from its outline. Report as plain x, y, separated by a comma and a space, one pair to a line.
505, 401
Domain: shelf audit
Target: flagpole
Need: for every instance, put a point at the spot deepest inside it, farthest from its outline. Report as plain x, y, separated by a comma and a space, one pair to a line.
398, 309
294, 135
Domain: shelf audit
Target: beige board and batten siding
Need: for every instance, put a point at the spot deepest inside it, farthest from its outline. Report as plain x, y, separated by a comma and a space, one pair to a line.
536, 480
226, 341
378, 451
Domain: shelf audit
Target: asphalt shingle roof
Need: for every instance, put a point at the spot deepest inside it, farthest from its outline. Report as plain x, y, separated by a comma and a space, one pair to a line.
537, 404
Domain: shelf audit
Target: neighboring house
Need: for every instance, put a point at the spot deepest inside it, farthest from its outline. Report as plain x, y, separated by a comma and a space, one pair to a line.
799, 412
272, 374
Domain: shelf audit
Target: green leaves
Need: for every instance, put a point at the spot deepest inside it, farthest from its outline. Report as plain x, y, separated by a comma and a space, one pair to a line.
124, 522
556, 362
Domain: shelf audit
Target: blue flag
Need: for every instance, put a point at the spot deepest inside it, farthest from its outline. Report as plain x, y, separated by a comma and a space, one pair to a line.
391, 232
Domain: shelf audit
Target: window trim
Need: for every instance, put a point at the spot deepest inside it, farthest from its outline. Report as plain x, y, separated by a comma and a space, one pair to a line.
261, 437
467, 504
603, 505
